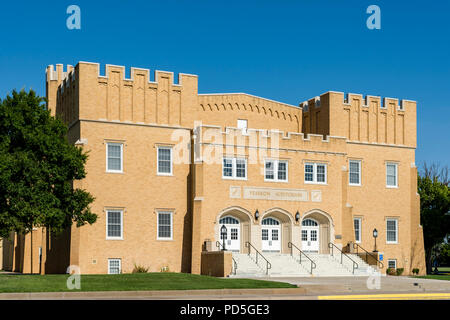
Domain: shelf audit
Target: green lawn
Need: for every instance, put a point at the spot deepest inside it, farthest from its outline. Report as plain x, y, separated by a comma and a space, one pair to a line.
436, 276
127, 282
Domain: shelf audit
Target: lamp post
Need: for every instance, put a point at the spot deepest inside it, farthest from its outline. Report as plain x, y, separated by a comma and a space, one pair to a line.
223, 232
375, 235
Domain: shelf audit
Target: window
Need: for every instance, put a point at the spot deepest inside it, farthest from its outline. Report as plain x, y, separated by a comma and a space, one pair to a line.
164, 160
309, 223
354, 172
316, 173
391, 230
165, 225
242, 124
357, 226
114, 224
276, 170
234, 233
114, 266
265, 234
274, 234
313, 235
391, 175
304, 235
234, 168
392, 263
114, 159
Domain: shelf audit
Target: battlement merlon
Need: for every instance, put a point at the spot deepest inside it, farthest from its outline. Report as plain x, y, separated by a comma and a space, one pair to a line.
118, 96
371, 119
260, 138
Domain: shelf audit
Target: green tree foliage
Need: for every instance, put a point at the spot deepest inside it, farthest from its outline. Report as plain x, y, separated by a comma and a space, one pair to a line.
434, 205
37, 169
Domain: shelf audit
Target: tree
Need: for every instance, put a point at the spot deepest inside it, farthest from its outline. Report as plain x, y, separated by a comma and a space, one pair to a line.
37, 169
434, 204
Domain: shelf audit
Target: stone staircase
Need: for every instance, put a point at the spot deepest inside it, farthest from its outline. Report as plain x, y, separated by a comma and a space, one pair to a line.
285, 265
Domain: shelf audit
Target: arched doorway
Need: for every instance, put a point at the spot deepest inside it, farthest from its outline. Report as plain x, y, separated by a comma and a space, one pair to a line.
238, 222
271, 234
231, 238
310, 235
318, 224
278, 223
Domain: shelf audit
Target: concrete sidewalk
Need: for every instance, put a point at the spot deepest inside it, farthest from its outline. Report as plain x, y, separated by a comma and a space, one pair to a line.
308, 288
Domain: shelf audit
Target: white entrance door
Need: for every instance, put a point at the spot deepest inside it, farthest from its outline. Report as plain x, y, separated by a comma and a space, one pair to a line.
271, 235
310, 235
233, 236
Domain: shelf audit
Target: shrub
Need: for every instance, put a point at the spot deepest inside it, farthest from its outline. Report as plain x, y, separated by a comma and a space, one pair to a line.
399, 271
391, 271
139, 269
415, 271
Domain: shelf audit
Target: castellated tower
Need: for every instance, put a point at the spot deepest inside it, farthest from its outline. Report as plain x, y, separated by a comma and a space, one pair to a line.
83, 93
371, 119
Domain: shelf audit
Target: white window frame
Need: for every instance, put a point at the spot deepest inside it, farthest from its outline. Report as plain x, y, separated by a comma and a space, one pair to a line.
314, 173
171, 225
240, 121
234, 168
392, 260
396, 174
359, 230
275, 170
359, 173
396, 231
121, 224
121, 157
109, 265
171, 161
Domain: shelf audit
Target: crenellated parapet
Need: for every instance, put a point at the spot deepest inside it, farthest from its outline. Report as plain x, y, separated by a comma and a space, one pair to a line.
114, 96
368, 119
219, 141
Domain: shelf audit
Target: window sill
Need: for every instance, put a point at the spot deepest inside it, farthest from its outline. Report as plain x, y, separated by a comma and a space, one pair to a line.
317, 183
354, 185
281, 181
120, 172
392, 187
391, 242
165, 174
232, 178
164, 239
114, 238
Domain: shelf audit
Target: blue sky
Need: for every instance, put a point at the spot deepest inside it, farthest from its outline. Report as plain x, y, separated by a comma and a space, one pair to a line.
284, 50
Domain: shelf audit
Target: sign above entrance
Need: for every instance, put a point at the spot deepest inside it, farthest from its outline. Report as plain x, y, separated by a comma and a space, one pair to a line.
258, 193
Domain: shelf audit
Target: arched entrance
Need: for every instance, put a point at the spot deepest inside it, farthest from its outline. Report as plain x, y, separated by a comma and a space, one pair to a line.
232, 237
310, 235
271, 234
318, 230
238, 222
278, 223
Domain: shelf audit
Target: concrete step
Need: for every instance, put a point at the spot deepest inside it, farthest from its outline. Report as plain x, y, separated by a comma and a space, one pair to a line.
287, 265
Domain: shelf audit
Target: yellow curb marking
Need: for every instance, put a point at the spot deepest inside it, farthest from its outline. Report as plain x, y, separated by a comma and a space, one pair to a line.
399, 296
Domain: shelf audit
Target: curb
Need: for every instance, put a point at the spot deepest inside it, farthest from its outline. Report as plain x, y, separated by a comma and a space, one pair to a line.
141, 294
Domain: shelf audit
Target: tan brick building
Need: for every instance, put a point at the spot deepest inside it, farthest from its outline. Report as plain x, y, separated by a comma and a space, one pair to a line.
169, 167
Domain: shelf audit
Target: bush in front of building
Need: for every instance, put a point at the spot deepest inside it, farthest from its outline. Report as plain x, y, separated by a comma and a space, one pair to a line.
399, 271
391, 271
139, 269
415, 271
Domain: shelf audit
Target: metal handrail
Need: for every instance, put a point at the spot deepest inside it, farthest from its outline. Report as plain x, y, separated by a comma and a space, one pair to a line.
219, 245
268, 264
332, 245
313, 264
356, 246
